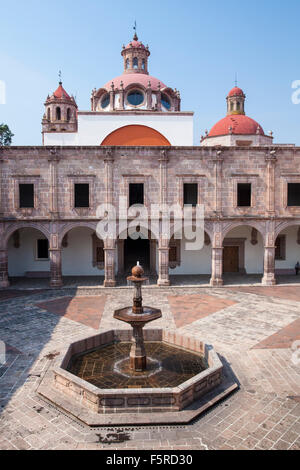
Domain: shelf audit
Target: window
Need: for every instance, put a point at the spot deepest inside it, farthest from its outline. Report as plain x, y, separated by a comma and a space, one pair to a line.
280, 247
238, 106
42, 248
244, 194
165, 101
82, 196
293, 194
68, 114
26, 195
190, 194
48, 114
136, 193
127, 63
135, 63
58, 114
135, 98
143, 64
105, 101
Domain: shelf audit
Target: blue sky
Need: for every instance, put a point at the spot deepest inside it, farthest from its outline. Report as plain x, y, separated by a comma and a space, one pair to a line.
196, 46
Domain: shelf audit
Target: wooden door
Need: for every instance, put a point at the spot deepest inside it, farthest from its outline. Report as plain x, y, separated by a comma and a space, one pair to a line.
231, 259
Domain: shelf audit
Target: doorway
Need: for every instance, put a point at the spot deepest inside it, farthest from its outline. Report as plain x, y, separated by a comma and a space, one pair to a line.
136, 250
231, 259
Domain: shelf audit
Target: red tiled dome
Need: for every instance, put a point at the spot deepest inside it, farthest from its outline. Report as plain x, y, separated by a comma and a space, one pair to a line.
236, 91
61, 93
138, 78
135, 43
241, 125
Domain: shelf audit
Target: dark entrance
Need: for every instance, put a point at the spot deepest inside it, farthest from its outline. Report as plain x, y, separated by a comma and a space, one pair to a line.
136, 250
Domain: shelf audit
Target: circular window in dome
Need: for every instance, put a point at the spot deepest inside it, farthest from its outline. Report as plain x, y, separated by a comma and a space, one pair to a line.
105, 101
135, 97
165, 101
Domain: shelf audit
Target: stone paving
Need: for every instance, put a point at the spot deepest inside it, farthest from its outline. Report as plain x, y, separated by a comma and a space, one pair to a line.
263, 414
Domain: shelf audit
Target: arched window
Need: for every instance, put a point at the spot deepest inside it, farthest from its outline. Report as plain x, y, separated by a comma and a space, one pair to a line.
143, 64
231, 106
238, 105
127, 63
135, 63
48, 114
58, 114
68, 114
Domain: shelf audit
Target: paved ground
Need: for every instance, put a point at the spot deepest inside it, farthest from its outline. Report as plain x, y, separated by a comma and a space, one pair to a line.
252, 330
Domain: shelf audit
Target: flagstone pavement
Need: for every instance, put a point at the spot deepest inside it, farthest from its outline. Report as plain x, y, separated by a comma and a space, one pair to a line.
254, 330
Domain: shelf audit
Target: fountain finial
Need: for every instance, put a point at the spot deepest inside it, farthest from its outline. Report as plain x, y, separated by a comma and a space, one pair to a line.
137, 271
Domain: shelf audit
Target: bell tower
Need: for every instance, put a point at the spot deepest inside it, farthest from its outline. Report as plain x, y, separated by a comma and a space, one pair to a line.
60, 112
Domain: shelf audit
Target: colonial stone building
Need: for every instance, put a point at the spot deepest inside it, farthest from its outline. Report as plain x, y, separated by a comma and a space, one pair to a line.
135, 142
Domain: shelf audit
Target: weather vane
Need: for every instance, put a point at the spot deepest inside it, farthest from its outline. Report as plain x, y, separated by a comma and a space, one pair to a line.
236, 79
59, 75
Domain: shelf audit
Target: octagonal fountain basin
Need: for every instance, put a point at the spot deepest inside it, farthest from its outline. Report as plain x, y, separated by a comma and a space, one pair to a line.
96, 372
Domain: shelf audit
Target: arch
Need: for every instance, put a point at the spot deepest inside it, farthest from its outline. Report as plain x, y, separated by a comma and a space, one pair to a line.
206, 231
67, 228
135, 63
48, 114
127, 64
234, 225
283, 225
135, 135
68, 114
21, 225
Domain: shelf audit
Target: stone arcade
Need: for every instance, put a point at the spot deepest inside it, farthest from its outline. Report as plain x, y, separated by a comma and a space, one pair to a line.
137, 143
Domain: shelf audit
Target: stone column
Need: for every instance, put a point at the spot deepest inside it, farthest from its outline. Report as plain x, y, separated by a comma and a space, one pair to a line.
108, 162
163, 262
149, 96
158, 97
1, 196
109, 263
121, 95
269, 266
218, 159
269, 278
53, 194
112, 97
163, 170
271, 163
216, 266
55, 259
217, 257
4, 282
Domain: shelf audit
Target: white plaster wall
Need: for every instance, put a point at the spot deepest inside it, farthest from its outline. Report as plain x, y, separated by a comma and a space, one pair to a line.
254, 254
23, 259
78, 256
194, 262
93, 128
292, 249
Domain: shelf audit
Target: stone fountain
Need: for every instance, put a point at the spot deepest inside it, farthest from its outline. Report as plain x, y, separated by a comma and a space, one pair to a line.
137, 317
136, 376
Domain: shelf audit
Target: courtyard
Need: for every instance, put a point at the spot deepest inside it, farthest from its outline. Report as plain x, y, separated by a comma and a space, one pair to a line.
254, 330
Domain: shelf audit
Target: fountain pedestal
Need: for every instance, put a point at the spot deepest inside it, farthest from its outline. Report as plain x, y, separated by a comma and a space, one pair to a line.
137, 316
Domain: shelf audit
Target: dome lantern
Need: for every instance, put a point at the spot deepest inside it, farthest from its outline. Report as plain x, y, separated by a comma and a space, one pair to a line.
135, 56
235, 101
